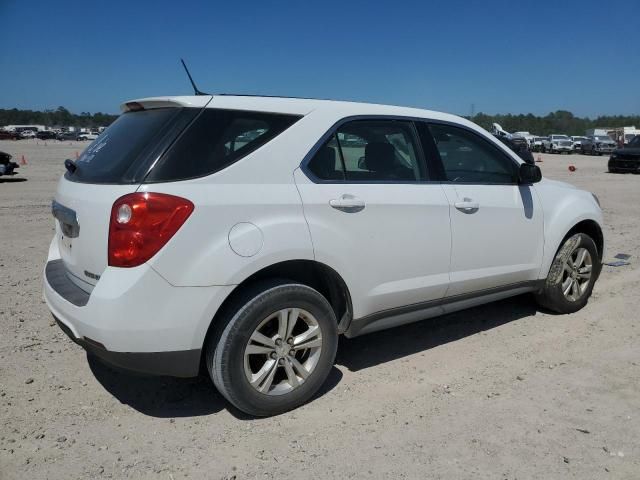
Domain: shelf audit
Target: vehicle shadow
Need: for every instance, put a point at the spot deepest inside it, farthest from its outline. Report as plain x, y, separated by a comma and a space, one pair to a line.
387, 345
168, 397
12, 180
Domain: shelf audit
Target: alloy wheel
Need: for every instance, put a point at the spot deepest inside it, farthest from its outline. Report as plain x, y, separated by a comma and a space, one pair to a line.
576, 274
283, 351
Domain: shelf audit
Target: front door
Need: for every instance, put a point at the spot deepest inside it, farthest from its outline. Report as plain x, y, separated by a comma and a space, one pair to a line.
496, 224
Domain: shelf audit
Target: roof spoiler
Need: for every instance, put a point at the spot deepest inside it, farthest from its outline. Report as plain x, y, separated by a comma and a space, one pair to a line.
165, 102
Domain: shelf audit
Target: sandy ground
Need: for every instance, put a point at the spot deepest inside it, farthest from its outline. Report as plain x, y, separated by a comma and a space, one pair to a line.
501, 391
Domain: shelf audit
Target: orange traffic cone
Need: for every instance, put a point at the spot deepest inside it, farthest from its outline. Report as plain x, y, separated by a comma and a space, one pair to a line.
23, 160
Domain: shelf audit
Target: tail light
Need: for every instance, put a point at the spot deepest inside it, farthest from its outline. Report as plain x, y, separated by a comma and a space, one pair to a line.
141, 224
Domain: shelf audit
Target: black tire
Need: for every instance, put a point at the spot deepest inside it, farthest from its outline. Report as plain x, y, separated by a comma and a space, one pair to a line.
551, 296
225, 350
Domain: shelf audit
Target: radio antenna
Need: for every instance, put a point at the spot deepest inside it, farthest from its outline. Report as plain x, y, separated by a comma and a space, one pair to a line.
193, 84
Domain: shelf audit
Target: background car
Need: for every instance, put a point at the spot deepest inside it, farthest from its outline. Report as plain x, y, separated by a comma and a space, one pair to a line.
520, 146
7, 167
537, 142
557, 144
28, 134
46, 135
87, 136
67, 136
9, 135
577, 142
597, 145
626, 159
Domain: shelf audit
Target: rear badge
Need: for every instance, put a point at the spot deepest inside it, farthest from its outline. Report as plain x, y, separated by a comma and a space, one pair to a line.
92, 275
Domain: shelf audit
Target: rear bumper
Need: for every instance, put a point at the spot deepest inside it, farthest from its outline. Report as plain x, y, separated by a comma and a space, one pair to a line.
184, 363
134, 318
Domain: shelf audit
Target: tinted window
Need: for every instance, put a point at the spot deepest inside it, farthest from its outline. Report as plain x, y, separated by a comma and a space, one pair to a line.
326, 163
124, 151
370, 151
468, 158
215, 140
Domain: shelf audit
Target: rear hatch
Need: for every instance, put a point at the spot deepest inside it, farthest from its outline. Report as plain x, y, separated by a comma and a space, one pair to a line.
115, 164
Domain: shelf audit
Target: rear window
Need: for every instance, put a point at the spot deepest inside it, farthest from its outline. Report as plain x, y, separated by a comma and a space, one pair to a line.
217, 139
125, 150
169, 144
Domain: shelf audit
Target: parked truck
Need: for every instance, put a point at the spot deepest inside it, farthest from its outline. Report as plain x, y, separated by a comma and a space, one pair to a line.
557, 143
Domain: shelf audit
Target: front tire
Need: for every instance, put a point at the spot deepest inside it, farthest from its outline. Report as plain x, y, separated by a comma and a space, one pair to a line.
572, 276
276, 350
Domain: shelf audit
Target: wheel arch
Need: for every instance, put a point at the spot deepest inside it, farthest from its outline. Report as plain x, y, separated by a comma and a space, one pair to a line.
312, 273
592, 229
588, 226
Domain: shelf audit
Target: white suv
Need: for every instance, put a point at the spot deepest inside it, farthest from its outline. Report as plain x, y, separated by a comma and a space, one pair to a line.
244, 234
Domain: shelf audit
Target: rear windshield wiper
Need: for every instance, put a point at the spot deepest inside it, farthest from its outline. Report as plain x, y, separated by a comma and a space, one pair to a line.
70, 165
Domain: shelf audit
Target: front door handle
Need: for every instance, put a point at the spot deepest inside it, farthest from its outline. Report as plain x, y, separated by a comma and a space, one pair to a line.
347, 203
467, 206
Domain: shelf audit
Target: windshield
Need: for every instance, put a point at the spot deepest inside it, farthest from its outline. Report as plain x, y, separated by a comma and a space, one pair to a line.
635, 142
560, 137
603, 138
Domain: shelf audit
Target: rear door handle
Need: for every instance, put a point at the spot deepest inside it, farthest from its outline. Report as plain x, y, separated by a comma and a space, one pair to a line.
467, 206
347, 203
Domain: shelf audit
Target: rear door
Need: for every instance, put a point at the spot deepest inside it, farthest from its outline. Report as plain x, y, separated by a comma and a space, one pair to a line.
112, 166
375, 217
496, 224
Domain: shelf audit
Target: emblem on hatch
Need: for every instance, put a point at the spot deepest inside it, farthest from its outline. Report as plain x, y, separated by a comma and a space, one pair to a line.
92, 275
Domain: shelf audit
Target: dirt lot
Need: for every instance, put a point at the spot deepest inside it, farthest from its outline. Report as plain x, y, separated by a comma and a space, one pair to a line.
500, 391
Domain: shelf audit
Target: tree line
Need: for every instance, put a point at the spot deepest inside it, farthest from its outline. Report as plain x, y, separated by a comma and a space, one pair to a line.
560, 121
555, 122
60, 117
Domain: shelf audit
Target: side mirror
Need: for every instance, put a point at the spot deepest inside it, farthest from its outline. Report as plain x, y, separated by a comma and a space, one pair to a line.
529, 173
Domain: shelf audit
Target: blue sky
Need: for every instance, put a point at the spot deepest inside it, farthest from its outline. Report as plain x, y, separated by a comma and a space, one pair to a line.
503, 56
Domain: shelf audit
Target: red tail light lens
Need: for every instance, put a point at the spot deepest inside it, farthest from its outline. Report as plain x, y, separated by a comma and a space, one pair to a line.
141, 224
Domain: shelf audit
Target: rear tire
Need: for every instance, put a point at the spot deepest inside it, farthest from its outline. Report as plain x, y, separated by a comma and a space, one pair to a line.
572, 275
260, 363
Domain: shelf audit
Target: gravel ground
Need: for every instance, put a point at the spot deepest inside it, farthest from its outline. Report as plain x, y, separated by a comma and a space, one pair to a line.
499, 391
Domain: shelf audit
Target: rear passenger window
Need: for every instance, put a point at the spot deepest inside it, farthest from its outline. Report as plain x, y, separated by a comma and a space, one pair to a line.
326, 163
468, 158
370, 151
215, 140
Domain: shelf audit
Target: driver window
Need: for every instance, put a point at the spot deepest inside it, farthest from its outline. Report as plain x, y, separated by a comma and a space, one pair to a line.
468, 158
